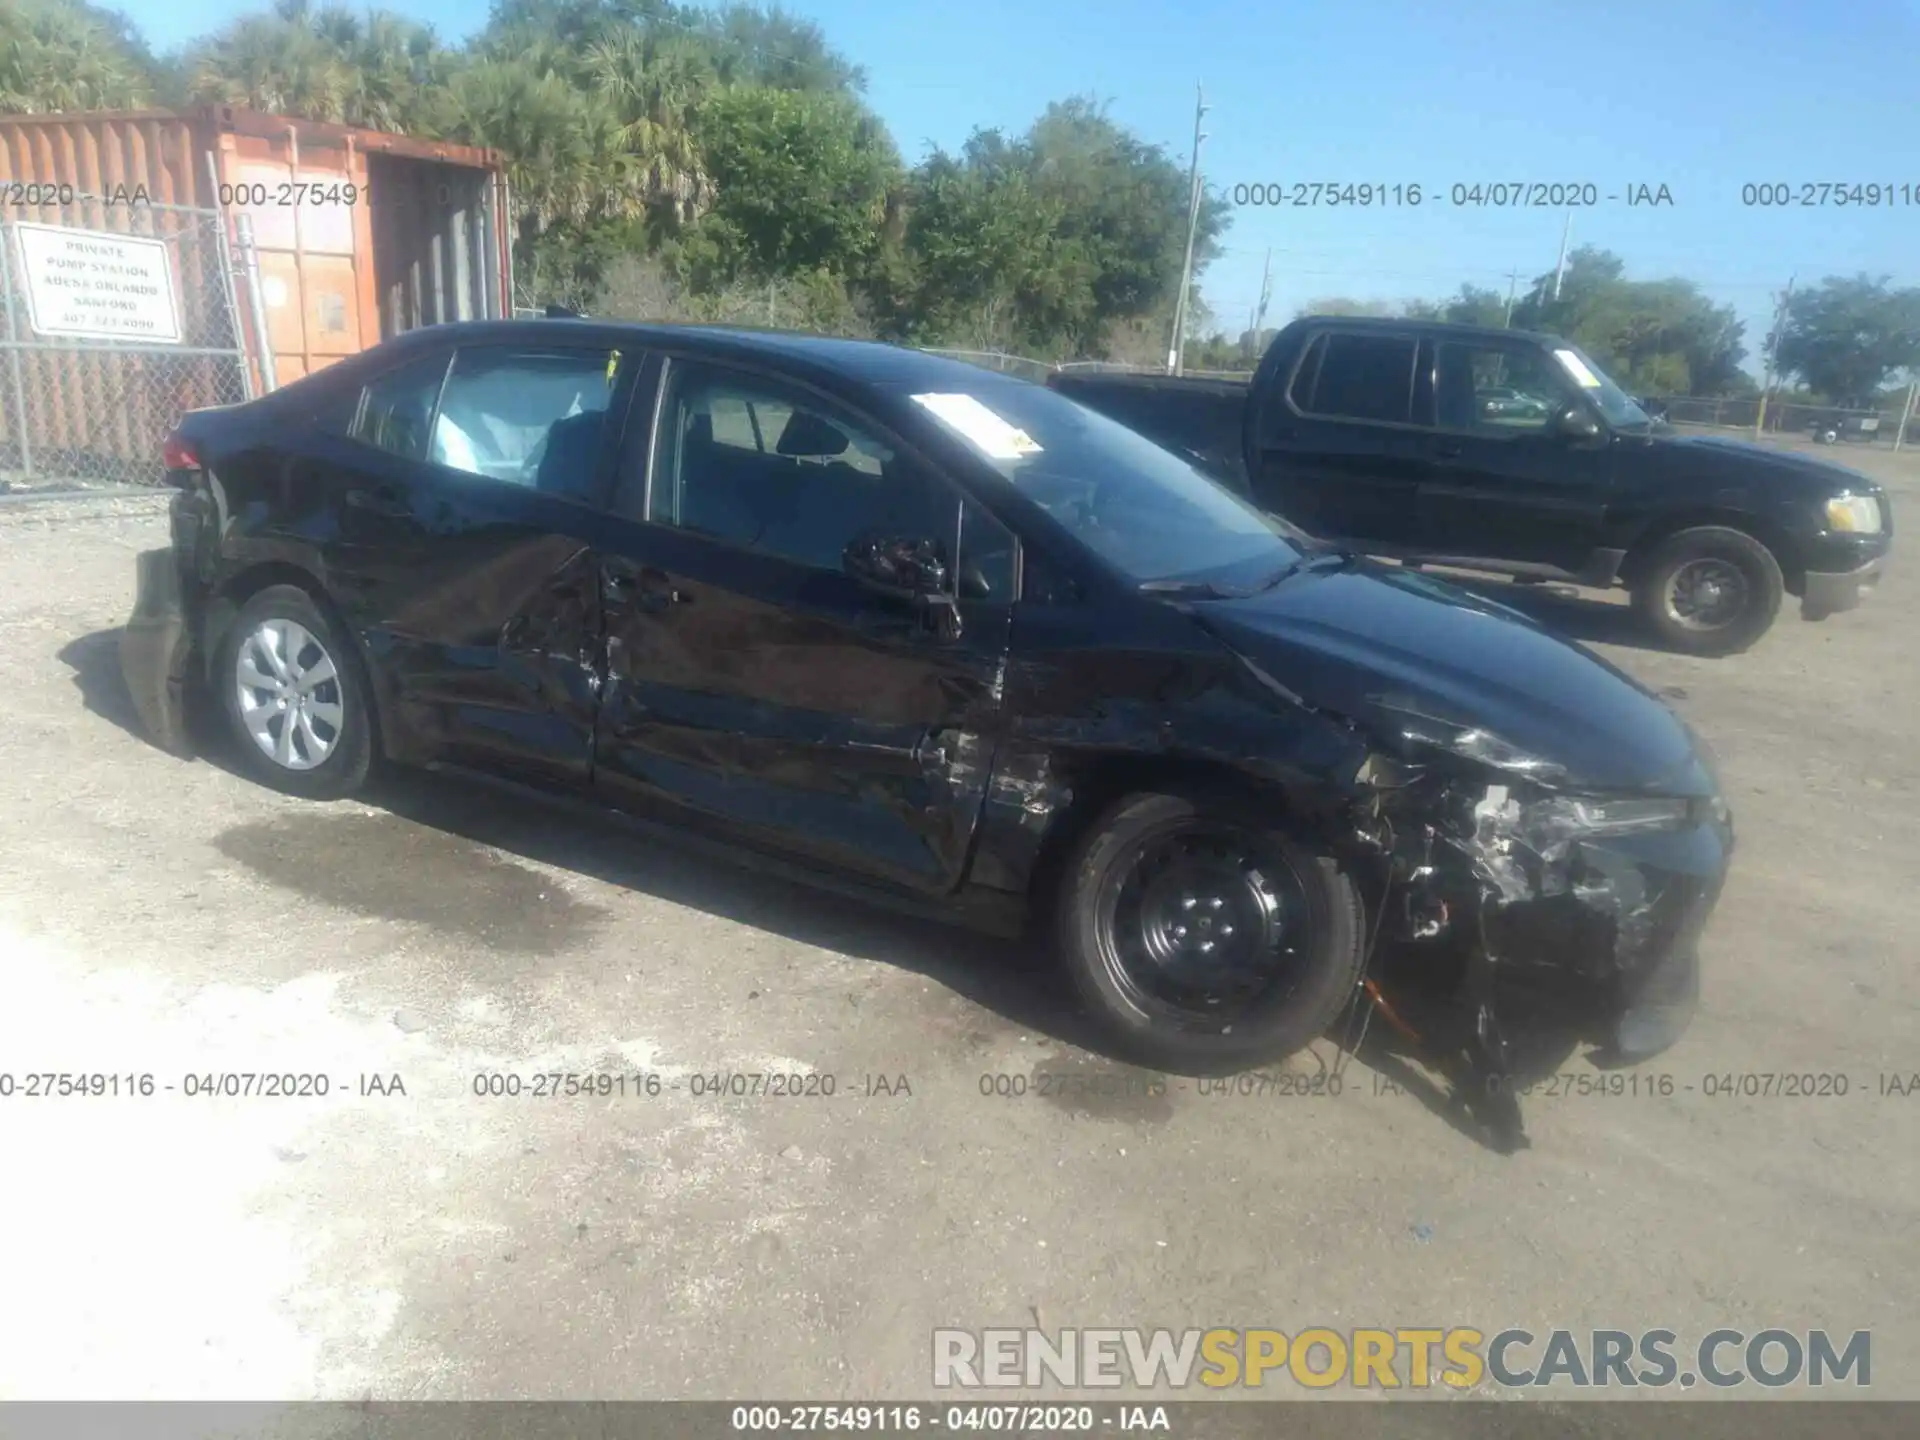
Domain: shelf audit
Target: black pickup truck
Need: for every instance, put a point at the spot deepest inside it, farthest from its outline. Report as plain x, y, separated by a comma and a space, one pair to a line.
1513, 452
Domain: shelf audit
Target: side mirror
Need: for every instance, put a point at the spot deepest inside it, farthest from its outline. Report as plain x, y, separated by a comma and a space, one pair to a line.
906, 569
1575, 422
909, 570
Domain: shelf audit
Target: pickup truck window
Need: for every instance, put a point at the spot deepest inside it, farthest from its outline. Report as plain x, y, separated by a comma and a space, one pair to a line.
1620, 408
1360, 377
1497, 389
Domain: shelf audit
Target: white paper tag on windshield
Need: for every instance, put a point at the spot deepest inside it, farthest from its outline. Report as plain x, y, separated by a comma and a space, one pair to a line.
1577, 368
974, 422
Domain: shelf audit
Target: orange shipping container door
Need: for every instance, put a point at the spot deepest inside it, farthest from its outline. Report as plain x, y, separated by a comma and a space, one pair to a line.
302, 203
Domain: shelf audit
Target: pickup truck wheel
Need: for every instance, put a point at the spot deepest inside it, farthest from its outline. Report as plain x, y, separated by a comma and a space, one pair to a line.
1204, 939
1709, 591
291, 691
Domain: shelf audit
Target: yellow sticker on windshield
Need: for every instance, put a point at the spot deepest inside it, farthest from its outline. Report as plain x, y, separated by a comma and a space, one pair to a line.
613, 359
1577, 368
974, 422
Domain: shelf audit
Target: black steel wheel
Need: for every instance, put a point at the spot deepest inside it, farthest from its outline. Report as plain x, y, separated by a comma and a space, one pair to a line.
1203, 936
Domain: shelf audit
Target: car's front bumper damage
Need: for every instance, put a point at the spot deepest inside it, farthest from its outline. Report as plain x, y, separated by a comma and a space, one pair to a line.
1591, 933
156, 651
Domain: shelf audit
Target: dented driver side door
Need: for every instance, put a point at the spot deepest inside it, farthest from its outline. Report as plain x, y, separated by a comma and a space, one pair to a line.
754, 687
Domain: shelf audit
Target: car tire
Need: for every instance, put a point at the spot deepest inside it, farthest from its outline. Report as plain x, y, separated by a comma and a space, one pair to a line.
1711, 590
1277, 905
299, 721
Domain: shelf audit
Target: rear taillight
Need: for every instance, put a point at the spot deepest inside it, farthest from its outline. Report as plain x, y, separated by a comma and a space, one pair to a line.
177, 454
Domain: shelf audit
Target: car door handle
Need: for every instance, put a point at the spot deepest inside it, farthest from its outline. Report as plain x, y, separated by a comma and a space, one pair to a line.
381, 501
647, 588
654, 601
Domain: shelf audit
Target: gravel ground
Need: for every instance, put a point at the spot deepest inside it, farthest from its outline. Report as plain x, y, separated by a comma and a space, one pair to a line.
167, 917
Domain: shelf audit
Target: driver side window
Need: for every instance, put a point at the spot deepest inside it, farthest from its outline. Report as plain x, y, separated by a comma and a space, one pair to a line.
772, 468
1497, 390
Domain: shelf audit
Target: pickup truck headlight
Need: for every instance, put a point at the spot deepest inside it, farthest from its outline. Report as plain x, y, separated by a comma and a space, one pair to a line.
1854, 514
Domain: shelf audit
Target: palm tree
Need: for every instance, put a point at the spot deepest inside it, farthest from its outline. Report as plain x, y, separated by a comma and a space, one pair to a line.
58, 56
562, 143
275, 63
654, 83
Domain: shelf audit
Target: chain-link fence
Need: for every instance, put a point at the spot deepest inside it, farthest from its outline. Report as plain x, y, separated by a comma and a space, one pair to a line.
1828, 424
120, 316
1000, 360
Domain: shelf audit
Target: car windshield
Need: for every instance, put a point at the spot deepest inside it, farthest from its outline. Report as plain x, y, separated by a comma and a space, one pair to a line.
1143, 509
1621, 409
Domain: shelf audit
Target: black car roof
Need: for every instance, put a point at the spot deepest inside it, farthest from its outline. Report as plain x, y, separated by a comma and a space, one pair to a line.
868, 361
1479, 332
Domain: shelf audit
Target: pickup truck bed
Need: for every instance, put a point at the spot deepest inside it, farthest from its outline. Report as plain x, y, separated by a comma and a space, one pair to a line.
1204, 419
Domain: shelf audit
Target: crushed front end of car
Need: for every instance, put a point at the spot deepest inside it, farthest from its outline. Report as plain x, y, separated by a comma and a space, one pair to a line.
1546, 836
1579, 907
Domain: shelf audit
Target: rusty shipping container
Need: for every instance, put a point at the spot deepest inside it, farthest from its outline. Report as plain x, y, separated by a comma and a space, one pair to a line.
359, 235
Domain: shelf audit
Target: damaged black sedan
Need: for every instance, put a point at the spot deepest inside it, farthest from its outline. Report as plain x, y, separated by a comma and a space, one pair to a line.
944, 639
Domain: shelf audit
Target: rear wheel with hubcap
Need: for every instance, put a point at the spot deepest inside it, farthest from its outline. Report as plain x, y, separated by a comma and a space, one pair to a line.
1204, 938
292, 696
1711, 590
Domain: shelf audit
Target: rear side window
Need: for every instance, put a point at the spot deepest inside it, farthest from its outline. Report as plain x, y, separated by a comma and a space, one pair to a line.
526, 417
520, 416
396, 414
1359, 377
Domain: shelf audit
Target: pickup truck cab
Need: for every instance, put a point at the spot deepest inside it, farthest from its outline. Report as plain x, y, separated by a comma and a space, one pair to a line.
1405, 439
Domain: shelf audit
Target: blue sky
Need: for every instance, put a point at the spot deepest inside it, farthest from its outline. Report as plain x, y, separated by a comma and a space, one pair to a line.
1702, 96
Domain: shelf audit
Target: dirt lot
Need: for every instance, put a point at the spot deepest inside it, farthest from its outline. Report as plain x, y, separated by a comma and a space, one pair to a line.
166, 917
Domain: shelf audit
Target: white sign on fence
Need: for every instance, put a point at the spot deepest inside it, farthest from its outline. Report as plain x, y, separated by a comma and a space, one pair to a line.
95, 285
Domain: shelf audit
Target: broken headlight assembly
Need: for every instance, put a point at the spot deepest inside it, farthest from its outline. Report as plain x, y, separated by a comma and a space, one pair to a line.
1630, 815
1523, 798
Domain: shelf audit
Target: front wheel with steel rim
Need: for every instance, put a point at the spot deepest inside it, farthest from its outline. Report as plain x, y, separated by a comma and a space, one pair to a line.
1711, 590
293, 696
1204, 937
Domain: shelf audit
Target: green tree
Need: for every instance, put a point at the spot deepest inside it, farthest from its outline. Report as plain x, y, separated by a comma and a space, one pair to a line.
1475, 305
64, 55
1845, 338
1060, 241
800, 179
1655, 336
1345, 305
773, 49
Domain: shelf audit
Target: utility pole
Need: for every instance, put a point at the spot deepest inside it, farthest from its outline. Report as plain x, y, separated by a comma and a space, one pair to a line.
1513, 279
1906, 414
1560, 269
1193, 222
1773, 355
1260, 311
